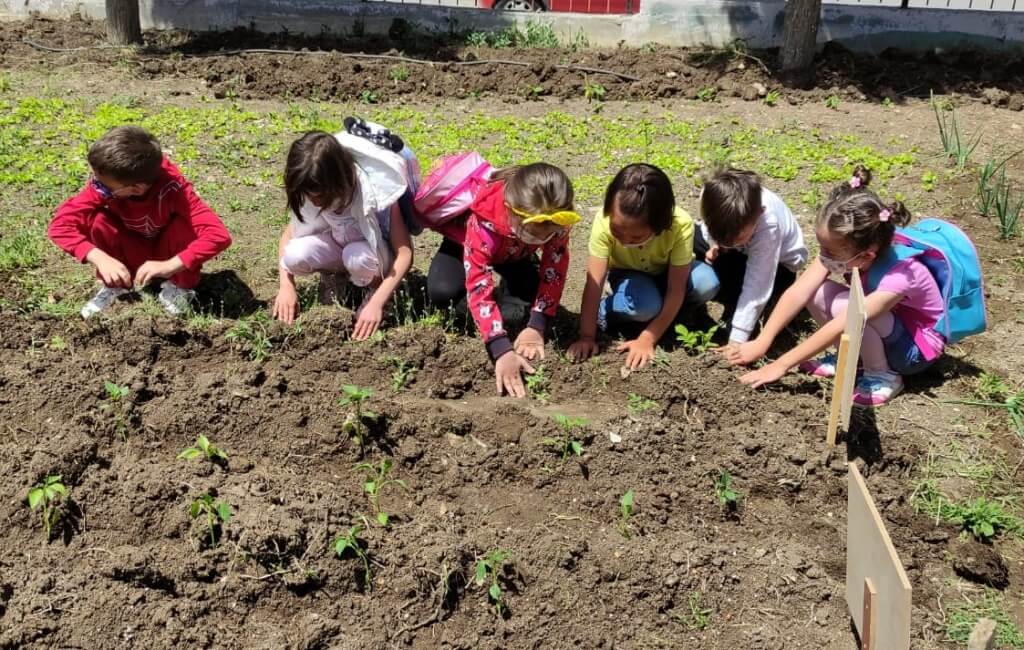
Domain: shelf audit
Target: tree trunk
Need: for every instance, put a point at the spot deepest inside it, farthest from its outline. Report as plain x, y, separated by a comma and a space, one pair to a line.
799, 35
123, 26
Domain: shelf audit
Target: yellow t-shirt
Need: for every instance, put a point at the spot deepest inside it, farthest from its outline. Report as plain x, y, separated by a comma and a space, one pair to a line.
673, 247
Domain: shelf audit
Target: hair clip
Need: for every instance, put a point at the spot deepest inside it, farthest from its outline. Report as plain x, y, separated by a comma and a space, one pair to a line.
884, 215
855, 182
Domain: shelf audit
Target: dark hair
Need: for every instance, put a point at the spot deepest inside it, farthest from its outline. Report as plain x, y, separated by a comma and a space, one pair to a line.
642, 191
729, 202
853, 213
127, 153
537, 188
318, 164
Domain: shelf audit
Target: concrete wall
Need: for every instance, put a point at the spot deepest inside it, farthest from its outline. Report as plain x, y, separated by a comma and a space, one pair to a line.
670, 22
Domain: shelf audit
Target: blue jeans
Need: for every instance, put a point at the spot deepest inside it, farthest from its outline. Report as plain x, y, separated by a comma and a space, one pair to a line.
902, 352
638, 296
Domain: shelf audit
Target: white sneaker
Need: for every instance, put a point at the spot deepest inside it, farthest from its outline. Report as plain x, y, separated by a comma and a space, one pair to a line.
104, 298
174, 299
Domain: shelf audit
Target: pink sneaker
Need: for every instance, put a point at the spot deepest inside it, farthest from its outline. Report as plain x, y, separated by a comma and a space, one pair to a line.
877, 388
824, 366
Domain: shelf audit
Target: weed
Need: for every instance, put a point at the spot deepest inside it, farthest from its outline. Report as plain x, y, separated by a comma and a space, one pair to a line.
697, 617
625, 513
832, 102
982, 517
727, 497
216, 513
402, 374
707, 94
928, 180
49, 497
377, 478
986, 190
355, 396
398, 73
638, 403
368, 97
989, 386
116, 404
594, 92
491, 565
537, 385
1012, 404
887, 102
350, 542
954, 143
58, 343
772, 98
533, 35
661, 358
204, 447
695, 341
5, 84
1007, 206
566, 444
963, 617
251, 334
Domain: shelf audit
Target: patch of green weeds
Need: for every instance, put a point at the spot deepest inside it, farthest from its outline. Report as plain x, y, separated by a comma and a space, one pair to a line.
887, 102
402, 374
707, 94
638, 403
593, 92
963, 617
982, 517
695, 342
772, 98
488, 569
252, 335
990, 386
832, 101
538, 384
368, 97
378, 477
398, 73
1012, 404
566, 444
697, 616
955, 144
216, 514
534, 34
50, 498
928, 180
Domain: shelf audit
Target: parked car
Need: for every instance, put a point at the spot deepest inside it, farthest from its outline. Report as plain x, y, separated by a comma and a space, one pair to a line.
576, 6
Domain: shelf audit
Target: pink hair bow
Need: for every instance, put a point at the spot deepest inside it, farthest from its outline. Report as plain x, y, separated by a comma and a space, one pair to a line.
855, 182
884, 215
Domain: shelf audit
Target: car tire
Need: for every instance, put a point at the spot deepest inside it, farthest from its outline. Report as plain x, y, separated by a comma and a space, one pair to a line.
519, 5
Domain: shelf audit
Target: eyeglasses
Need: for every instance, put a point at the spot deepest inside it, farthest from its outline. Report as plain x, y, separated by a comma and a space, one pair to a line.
106, 192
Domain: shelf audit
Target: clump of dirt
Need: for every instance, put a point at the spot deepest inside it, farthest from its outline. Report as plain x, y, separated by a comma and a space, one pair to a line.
327, 67
480, 478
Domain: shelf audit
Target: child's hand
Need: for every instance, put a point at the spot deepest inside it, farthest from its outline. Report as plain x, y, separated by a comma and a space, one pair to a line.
154, 270
743, 354
639, 352
368, 319
286, 305
582, 349
530, 344
712, 254
765, 375
112, 272
507, 374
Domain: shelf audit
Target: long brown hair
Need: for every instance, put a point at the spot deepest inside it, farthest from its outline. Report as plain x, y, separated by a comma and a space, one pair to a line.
855, 213
318, 164
537, 188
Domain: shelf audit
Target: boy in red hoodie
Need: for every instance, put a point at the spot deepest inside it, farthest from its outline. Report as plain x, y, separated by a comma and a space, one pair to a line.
138, 221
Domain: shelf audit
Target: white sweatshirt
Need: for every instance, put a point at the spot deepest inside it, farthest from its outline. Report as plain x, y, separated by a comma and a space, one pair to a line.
777, 240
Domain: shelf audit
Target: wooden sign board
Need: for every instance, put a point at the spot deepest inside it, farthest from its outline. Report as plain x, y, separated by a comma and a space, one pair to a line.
846, 360
877, 589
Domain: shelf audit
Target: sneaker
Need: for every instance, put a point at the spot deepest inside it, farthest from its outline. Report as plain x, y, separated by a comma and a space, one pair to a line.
877, 388
174, 299
513, 309
104, 298
824, 366
331, 287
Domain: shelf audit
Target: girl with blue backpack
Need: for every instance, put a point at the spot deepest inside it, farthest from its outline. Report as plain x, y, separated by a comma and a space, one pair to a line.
922, 286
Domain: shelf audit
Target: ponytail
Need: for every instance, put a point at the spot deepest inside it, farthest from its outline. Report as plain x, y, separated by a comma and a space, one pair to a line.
856, 214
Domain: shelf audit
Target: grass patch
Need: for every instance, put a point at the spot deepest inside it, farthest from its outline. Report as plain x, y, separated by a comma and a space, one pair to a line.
964, 616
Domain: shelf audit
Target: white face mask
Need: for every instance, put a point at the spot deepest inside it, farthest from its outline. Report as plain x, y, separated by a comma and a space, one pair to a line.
531, 240
835, 266
638, 244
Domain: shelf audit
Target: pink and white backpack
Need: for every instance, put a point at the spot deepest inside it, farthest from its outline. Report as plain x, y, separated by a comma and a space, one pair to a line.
449, 189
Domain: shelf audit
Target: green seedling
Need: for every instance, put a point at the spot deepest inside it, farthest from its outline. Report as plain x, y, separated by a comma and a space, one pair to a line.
251, 334
887, 102
49, 498
982, 517
727, 496
697, 617
368, 97
216, 513
661, 358
402, 374
1008, 206
625, 513
928, 180
695, 341
350, 542
398, 73
1012, 404
116, 403
638, 404
772, 98
566, 444
990, 185
377, 478
989, 386
537, 385
707, 94
490, 566
955, 145
832, 102
58, 343
354, 397
204, 447
594, 92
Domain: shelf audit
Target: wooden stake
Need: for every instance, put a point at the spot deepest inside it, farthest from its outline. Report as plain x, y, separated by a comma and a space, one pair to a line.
837, 389
867, 641
984, 635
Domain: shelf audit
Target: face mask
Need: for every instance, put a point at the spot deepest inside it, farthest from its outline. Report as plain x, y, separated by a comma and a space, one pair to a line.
835, 266
638, 244
531, 240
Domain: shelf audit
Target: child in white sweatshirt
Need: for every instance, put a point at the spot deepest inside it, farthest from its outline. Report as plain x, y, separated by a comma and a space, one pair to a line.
753, 243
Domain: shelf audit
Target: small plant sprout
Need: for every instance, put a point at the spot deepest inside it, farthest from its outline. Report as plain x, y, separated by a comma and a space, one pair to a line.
727, 496
594, 92
490, 566
48, 497
697, 617
402, 374
954, 143
251, 334
216, 513
638, 404
707, 94
378, 478
350, 542
985, 518
695, 341
537, 385
116, 404
990, 386
354, 396
398, 73
625, 513
832, 102
928, 180
204, 447
566, 444
772, 98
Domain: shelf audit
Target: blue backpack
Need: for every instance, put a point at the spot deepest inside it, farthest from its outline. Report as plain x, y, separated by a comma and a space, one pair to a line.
953, 261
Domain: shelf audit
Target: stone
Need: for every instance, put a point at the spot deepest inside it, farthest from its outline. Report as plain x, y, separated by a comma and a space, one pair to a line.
1016, 102
995, 96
